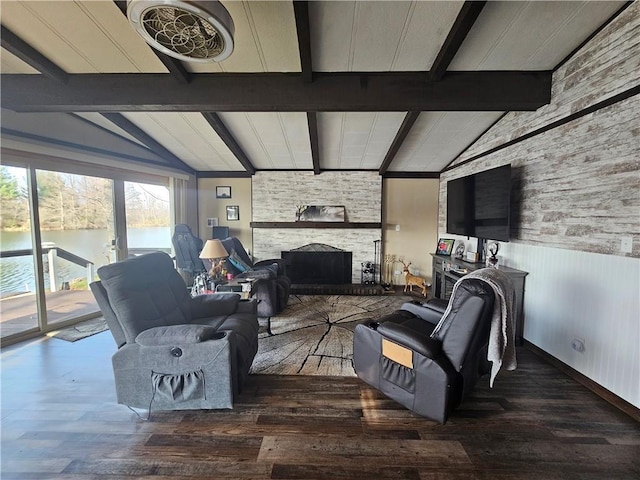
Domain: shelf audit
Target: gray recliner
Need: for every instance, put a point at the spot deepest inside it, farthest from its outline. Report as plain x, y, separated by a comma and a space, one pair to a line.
424, 360
175, 352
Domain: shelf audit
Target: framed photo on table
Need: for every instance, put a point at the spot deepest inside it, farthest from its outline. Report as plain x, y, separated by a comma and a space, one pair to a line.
445, 246
233, 212
223, 192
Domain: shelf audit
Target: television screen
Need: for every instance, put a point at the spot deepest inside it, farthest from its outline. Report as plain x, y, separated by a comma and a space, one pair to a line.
478, 205
220, 233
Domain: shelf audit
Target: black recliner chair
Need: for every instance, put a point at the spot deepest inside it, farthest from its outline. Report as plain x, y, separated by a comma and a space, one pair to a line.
425, 360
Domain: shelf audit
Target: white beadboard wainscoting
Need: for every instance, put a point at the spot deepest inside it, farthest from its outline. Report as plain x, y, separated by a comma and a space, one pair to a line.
590, 296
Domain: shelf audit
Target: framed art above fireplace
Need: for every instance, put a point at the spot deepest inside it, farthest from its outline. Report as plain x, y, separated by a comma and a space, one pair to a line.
320, 213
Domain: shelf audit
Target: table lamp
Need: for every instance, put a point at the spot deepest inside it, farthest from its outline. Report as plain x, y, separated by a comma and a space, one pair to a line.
214, 251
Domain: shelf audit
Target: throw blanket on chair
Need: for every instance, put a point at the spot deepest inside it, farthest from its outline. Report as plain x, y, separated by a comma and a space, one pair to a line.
502, 349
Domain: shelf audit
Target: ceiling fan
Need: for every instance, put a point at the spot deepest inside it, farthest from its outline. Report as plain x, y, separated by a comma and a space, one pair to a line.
192, 31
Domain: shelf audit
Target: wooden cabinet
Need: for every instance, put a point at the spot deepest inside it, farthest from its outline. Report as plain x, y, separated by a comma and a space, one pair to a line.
448, 270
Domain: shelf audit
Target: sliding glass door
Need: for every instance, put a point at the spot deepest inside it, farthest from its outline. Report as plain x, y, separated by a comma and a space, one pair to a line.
58, 224
77, 229
18, 307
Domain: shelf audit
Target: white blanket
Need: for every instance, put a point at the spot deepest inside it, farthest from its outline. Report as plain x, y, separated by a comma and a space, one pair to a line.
502, 351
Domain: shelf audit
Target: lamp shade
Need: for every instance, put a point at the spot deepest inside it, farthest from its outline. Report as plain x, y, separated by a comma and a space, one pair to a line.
213, 249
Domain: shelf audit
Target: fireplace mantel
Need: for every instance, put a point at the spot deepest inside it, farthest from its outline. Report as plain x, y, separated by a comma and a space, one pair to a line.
315, 225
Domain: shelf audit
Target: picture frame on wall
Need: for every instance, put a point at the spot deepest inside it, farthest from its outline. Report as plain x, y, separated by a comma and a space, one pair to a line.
223, 192
445, 246
233, 213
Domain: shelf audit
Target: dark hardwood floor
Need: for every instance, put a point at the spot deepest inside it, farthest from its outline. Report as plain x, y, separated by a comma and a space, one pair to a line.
60, 421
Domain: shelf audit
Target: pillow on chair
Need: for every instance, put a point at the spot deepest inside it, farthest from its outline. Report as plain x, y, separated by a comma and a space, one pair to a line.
238, 263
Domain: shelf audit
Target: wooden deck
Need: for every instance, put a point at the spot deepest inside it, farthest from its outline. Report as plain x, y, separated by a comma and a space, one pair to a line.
18, 314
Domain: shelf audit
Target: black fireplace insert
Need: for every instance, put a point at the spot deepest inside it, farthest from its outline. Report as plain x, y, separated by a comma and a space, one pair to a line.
318, 264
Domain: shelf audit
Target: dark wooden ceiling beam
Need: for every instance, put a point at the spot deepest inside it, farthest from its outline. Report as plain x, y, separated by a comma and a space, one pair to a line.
461, 27
176, 68
132, 129
330, 92
312, 121
301, 11
223, 132
409, 119
25, 52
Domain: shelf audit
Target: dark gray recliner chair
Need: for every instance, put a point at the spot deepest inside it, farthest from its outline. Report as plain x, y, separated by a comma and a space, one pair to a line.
187, 247
429, 370
272, 285
175, 352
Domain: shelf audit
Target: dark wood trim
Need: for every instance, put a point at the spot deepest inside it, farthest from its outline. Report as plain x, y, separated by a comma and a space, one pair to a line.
341, 225
409, 119
301, 12
227, 137
83, 148
574, 116
593, 34
461, 27
25, 52
156, 147
269, 92
411, 175
312, 121
176, 68
212, 174
596, 388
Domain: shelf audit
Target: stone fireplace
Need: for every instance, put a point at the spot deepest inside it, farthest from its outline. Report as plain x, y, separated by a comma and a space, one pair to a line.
276, 195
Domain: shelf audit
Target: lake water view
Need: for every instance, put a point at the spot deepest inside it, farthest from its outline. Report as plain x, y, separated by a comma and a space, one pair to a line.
17, 273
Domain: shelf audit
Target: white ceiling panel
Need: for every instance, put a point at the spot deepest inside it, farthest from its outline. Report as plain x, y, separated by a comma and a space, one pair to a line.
438, 137
379, 36
9, 63
503, 38
356, 140
272, 140
104, 123
81, 37
190, 137
265, 39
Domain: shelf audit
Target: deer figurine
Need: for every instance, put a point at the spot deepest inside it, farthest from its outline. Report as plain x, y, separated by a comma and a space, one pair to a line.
410, 280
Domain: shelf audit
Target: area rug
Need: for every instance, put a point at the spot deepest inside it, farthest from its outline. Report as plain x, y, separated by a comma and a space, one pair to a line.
80, 330
314, 334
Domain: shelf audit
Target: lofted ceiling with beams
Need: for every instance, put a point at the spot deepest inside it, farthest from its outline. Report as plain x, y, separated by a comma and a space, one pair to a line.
399, 87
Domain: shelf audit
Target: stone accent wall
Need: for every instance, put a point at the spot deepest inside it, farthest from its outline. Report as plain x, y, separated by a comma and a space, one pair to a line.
606, 66
275, 196
575, 186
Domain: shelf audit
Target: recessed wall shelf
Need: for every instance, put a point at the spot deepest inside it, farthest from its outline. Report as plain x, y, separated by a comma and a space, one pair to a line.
316, 225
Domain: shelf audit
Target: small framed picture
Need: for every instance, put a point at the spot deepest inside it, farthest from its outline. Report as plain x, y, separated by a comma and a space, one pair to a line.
223, 192
233, 212
445, 246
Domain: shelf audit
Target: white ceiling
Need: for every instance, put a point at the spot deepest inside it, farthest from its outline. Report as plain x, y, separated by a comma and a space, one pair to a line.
346, 36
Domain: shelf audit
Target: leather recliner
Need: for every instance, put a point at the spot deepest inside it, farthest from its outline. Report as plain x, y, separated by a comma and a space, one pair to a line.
175, 352
429, 370
272, 285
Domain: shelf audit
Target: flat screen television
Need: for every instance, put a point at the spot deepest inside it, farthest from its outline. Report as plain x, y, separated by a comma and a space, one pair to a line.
479, 205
